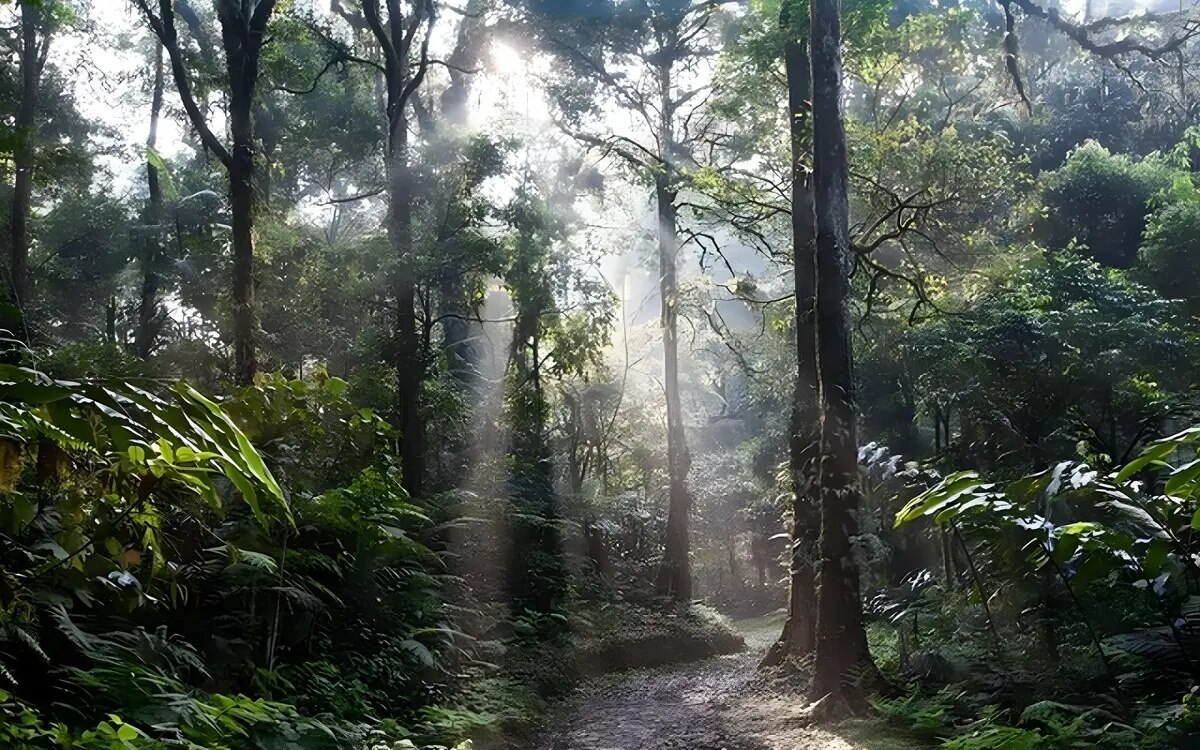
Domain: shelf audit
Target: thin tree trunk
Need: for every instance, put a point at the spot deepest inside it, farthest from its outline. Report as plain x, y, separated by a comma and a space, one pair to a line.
674, 577
455, 105
243, 32
241, 59
32, 62
242, 203
395, 36
842, 658
407, 352
148, 307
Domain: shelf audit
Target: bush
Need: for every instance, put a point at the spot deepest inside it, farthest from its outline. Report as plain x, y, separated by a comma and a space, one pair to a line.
1170, 252
1101, 201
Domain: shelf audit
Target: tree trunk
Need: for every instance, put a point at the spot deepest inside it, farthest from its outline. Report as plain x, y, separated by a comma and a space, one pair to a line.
456, 343
149, 312
32, 62
597, 552
243, 32
469, 46
241, 201
674, 577
407, 352
731, 554
241, 59
799, 630
842, 658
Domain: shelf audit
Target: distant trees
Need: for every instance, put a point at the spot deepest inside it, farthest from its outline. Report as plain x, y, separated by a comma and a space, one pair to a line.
666, 42
1100, 201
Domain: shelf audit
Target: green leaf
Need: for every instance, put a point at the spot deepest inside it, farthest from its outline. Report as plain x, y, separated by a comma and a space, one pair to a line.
1156, 557
33, 394
155, 160
246, 487
1182, 482
1155, 454
165, 449
249, 455
952, 488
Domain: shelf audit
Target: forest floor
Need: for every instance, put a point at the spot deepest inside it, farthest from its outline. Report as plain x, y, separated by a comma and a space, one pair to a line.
721, 703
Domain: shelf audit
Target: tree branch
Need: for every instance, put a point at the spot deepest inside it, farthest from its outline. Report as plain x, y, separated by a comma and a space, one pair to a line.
164, 28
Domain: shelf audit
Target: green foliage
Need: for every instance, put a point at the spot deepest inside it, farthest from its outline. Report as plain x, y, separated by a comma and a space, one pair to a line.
1169, 250
1102, 201
247, 570
926, 715
1061, 357
266, 586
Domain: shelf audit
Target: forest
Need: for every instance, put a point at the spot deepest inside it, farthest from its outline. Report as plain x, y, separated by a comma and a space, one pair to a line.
599, 374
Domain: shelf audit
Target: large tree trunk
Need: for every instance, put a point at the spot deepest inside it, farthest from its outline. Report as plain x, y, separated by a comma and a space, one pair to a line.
842, 658
149, 311
674, 577
32, 61
799, 630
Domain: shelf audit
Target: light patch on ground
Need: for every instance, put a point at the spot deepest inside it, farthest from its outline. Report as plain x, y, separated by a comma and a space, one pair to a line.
716, 704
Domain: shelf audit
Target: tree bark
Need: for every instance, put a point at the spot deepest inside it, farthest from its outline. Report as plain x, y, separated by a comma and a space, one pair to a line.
799, 630
241, 57
32, 63
149, 312
674, 577
407, 346
455, 105
470, 44
842, 658
243, 32
396, 35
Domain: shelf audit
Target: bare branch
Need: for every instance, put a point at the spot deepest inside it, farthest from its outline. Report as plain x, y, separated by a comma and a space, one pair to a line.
1083, 34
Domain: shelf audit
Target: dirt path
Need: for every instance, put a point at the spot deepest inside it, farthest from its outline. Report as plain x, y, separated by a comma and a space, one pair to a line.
716, 704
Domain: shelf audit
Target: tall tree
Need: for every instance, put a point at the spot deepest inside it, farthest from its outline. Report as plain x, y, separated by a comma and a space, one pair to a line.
841, 640
665, 42
34, 46
243, 34
406, 60
799, 630
149, 320
454, 100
